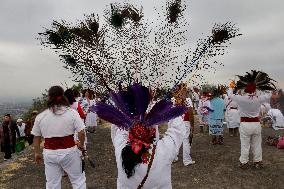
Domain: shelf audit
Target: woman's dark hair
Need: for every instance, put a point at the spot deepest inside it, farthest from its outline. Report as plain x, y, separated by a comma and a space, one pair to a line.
69, 94
56, 97
130, 159
91, 93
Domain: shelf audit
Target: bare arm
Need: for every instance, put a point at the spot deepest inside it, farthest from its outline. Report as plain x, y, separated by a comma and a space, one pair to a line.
81, 136
36, 143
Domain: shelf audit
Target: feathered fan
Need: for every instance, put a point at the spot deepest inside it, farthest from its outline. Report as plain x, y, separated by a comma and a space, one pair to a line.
130, 109
255, 80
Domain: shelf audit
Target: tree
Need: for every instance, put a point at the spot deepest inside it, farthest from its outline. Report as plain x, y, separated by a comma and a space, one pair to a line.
39, 104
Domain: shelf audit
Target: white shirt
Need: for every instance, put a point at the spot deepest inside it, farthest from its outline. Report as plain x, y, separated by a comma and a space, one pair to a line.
160, 173
22, 129
64, 122
249, 106
277, 118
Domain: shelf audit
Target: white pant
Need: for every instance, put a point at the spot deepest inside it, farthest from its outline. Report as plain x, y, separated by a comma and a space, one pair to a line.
69, 160
186, 146
250, 135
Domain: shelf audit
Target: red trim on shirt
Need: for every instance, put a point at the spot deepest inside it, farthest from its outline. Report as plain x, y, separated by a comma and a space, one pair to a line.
80, 111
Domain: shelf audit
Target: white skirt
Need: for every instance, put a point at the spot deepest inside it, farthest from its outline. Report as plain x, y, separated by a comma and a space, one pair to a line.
233, 118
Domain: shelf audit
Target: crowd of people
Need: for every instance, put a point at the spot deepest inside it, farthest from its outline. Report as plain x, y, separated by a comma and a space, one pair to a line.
143, 155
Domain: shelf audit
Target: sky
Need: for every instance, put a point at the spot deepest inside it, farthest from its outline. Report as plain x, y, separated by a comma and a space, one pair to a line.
27, 69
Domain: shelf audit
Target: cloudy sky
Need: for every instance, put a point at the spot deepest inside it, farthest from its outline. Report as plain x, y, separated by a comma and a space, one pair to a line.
26, 69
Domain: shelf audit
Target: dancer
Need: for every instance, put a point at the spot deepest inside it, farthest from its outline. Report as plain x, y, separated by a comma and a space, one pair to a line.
86, 102
216, 116
141, 162
203, 112
195, 96
181, 99
249, 108
232, 117
57, 125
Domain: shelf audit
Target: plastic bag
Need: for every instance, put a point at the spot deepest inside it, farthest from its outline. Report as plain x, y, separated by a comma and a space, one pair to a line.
280, 144
20, 146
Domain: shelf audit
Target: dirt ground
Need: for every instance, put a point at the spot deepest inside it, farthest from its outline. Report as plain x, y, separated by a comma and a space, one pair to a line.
216, 166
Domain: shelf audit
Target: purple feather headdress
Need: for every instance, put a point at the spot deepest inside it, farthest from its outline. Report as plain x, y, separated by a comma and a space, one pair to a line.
130, 107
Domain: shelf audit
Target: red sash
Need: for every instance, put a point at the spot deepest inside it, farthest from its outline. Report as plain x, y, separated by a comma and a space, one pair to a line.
249, 119
56, 143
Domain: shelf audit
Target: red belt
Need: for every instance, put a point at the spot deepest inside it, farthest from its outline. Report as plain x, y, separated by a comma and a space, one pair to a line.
56, 143
249, 119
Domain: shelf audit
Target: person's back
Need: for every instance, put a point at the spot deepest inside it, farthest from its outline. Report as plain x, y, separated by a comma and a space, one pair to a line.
141, 161
57, 125
250, 105
166, 150
218, 106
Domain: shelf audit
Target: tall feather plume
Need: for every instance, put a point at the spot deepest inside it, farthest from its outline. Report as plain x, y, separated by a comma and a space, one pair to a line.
122, 101
141, 98
159, 108
112, 115
166, 116
130, 108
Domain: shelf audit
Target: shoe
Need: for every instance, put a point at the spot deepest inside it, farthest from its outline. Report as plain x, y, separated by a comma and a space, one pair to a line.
258, 165
244, 165
175, 160
190, 163
6, 159
221, 140
214, 142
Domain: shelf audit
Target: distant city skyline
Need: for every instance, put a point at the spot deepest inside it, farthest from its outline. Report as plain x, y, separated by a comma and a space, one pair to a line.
27, 69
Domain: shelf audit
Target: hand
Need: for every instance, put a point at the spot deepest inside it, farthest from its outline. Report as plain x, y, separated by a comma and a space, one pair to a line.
38, 158
81, 147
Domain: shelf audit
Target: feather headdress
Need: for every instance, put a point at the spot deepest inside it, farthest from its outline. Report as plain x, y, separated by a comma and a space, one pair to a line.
255, 80
219, 90
129, 113
130, 108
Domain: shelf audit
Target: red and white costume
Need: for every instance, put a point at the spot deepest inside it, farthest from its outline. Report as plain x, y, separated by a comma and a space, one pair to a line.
250, 128
60, 152
232, 114
166, 151
187, 160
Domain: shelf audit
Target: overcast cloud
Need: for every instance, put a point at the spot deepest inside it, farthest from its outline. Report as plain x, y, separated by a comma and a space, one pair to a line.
26, 68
